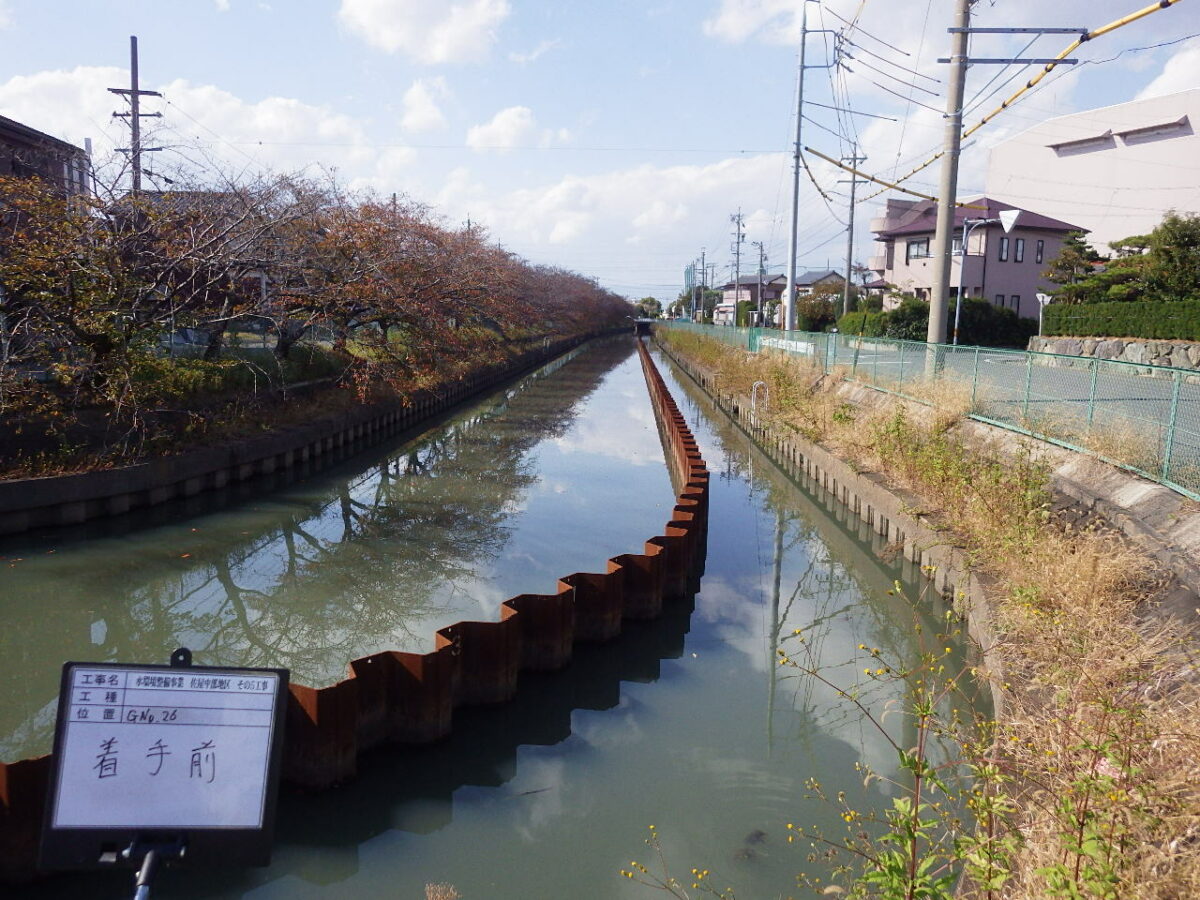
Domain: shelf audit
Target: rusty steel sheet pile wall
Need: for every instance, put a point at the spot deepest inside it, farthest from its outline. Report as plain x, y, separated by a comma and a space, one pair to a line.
396, 697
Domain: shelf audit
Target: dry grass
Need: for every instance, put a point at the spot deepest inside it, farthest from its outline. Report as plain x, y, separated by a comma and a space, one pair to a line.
1101, 735
441, 892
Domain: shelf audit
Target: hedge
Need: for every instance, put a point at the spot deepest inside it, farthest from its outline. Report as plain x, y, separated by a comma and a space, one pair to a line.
981, 325
1155, 319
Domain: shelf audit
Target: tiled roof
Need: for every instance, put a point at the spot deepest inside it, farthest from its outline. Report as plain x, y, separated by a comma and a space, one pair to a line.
922, 218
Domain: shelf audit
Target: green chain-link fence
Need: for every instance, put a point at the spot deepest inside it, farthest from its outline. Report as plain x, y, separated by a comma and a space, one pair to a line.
1140, 417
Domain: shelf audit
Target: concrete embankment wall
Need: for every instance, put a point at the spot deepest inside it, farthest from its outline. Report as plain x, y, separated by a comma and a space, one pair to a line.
65, 500
888, 512
1158, 522
395, 697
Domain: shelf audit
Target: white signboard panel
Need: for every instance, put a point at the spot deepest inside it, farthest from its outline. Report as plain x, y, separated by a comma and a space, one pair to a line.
164, 748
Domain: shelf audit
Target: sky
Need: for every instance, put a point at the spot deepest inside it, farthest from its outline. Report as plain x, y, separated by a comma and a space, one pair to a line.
609, 137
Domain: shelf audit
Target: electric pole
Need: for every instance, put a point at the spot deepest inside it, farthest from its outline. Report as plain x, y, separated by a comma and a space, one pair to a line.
788, 322
703, 282
762, 258
943, 249
739, 238
853, 160
134, 94
948, 185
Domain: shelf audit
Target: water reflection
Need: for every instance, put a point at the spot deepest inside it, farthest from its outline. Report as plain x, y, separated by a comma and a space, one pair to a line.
502, 499
685, 723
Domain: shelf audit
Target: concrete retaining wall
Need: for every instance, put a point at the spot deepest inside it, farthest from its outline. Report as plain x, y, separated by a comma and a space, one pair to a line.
888, 512
394, 697
64, 500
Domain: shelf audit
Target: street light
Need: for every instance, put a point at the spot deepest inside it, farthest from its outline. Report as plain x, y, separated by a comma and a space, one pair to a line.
1006, 218
1042, 300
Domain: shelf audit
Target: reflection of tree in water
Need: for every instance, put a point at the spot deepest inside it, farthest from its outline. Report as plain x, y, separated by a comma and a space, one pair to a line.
364, 566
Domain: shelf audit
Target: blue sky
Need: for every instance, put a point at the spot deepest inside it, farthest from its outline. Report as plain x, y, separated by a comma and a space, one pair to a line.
610, 137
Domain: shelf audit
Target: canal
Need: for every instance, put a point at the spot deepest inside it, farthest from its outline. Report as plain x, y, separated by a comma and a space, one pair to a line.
684, 723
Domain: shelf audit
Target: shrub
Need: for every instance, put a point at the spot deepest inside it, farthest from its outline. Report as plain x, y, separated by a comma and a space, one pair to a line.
1159, 320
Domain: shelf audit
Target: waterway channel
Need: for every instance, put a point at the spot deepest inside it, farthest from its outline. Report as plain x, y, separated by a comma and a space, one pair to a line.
685, 723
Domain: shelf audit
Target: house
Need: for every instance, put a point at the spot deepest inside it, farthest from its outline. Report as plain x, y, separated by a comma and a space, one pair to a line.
773, 286
747, 288
25, 152
1004, 267
1116, 171
815, 281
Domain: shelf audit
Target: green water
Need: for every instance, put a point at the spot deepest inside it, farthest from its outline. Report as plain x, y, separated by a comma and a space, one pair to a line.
684, 723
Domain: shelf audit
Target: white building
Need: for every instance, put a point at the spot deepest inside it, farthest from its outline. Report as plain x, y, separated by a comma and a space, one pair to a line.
1115, 171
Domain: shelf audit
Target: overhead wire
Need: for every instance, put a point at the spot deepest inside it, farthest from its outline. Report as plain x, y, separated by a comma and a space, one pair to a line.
909, 98
1030, 85
867, 33
976, 102
896, 78
883, 58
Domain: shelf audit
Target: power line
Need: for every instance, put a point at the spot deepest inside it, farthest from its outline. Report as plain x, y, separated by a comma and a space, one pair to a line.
882, 58
895, 78
868, 34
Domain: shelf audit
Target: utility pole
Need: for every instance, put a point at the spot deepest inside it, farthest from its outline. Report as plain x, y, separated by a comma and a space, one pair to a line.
853, 160
703, 282
788, 322
739, 238
943, 249
134, 94
762, 258
948, 185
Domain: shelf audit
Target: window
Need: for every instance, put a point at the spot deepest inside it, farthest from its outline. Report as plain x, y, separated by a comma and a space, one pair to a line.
1003, 249
1019, 250
1040, 253
1000, 300
918, 249
1015, 300
956, 246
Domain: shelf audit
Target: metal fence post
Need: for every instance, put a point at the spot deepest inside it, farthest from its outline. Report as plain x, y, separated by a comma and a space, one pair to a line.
1091, 407
831, 352
1028, 382
975, 380
900, 377
1166, 464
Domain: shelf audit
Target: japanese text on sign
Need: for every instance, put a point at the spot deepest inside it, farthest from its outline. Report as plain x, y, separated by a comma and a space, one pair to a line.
165, 748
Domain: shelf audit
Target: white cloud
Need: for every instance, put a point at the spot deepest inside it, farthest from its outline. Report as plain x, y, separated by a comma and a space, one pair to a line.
626, 207
430, 31
421, 111
514, 127
222, 5
69, 105
203, 123
526, 58
1181, 73
5, 18
738, 20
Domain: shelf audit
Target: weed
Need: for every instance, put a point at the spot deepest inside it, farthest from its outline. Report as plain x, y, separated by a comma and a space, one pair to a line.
1090, 786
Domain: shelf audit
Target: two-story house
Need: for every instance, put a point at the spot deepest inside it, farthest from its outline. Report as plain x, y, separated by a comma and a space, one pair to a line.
26, 152
1003, 267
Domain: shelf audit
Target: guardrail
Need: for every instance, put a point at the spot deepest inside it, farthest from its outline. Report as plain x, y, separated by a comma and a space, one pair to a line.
1143, 418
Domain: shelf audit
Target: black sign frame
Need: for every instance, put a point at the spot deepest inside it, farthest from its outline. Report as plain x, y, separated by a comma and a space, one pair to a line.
98, 847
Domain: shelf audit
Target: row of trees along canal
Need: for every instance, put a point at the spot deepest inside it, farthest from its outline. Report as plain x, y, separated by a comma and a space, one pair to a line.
133, 324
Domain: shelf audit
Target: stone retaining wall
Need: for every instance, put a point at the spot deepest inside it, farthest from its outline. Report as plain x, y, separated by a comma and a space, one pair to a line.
1178, 354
